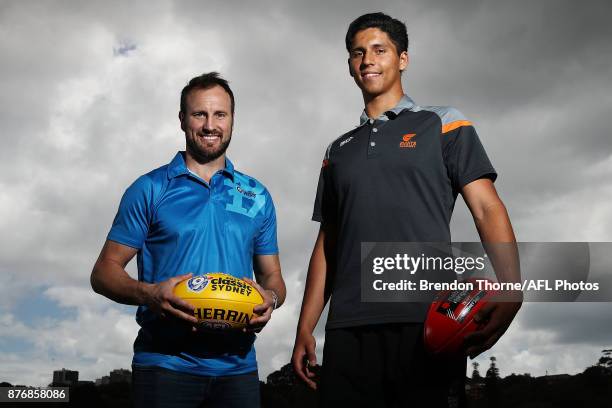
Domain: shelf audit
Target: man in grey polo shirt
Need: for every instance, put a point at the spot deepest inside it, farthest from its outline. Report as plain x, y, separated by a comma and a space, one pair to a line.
394, 178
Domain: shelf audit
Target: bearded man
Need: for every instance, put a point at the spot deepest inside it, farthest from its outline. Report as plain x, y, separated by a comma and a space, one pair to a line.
195, 215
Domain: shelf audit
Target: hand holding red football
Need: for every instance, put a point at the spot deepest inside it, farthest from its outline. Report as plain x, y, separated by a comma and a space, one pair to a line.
494, 318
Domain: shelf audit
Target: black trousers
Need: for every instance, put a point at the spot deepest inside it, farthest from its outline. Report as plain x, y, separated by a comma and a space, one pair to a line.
386, 365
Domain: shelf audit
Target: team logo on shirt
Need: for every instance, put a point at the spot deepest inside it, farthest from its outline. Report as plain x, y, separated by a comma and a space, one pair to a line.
407, 142
247, 196
244, 192
345, 141
198, 283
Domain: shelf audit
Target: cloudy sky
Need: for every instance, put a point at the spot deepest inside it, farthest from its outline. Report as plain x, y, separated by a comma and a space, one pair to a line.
89, 95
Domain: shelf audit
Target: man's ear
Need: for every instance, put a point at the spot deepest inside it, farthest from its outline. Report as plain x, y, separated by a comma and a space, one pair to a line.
182, 119
404, 60
351, 73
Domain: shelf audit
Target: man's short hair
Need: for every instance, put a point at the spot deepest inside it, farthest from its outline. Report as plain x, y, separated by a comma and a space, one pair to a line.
206, 81
395, 29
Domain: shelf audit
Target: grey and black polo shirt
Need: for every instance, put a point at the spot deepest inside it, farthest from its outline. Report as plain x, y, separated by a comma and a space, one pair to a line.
393, 179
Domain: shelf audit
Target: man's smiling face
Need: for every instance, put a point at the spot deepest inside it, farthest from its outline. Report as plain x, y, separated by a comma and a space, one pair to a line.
207, 123
374, 62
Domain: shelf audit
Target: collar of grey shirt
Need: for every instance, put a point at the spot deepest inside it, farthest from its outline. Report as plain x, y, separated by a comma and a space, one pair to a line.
404, 103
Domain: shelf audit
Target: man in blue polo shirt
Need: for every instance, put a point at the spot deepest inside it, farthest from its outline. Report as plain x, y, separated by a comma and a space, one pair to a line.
195, 215
394, 178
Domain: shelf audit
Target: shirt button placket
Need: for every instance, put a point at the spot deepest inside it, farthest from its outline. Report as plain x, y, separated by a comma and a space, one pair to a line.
373, 133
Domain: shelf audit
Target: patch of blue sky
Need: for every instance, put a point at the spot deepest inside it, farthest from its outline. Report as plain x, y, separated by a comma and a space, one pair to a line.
124, 49
37, 310
15, 345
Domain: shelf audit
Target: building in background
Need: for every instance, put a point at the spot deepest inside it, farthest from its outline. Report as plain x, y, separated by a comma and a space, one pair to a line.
120, 376
103, 381
65, 378
117, 376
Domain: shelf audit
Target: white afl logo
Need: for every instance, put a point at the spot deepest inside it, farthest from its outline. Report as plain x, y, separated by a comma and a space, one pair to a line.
197, 283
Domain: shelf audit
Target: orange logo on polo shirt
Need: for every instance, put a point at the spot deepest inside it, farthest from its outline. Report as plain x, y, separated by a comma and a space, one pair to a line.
407, 142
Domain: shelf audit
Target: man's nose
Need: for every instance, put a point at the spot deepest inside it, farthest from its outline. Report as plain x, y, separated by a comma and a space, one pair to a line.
368, 59
208, 123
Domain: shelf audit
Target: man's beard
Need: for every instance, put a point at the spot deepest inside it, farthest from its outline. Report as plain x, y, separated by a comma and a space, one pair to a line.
203, 155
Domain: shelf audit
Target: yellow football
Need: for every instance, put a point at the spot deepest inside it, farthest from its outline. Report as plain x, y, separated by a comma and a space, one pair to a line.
221, 301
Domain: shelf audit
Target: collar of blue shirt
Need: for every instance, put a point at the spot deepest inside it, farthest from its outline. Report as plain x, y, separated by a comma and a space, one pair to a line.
177, 167
404, 103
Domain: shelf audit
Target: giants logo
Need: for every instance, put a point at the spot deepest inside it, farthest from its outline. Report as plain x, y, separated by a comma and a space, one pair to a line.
406, 142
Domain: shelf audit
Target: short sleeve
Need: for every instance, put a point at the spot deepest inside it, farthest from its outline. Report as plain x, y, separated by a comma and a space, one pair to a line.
465, 158
324, 206
131, 224
266, 241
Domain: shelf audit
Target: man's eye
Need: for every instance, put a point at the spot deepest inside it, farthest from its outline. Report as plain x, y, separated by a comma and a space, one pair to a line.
357, 53
221, 115
380, 51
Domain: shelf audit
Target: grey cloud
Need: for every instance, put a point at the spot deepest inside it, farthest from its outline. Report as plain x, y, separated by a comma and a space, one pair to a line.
572, 323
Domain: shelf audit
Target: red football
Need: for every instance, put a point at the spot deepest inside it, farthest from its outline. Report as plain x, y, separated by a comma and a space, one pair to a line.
451, 317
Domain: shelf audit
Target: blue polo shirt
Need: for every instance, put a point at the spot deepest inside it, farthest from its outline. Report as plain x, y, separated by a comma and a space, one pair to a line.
180, 223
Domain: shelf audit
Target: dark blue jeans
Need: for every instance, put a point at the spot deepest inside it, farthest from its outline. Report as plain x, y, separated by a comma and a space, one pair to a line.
155, 387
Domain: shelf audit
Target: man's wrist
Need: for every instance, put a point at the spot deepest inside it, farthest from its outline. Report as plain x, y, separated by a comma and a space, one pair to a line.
304, 330
274, 298
142, 289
